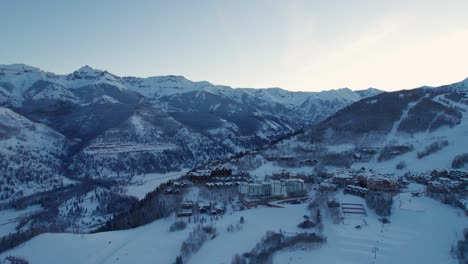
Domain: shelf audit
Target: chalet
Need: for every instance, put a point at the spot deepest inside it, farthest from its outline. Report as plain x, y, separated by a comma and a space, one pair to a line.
281, 175
217, 210
382, 185
326, 186
221, 172
444, 185
172, 191
186, 205
180, 184
436, 187
204, 208
184, 213
456, 174
199, 175
356, 190
344, 179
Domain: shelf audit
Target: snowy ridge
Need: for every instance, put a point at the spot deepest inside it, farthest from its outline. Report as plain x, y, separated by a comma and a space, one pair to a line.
22, 77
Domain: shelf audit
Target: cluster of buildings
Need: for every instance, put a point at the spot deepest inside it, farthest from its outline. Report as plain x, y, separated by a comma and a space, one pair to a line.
445, 182
359, 184
209, 174
189, 208
217, 177
273, 188
176, 187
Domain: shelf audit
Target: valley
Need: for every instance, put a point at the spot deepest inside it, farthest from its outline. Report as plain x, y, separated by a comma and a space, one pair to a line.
163, 169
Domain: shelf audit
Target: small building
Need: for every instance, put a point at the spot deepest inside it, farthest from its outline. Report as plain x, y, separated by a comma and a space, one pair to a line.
343, 179
221, 172
356, 190
199, 175
204, 208
184, 213
186, 205
217, 210
325, 186
382, 185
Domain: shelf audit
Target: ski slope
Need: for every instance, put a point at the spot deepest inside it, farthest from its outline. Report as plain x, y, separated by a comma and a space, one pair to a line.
422, 230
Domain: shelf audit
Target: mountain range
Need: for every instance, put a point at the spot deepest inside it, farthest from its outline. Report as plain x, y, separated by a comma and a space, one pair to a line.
91, 123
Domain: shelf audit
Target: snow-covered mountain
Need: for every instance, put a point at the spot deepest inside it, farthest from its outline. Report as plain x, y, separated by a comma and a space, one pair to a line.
31, 156
16, 79
167, 121
87, 137
415, 130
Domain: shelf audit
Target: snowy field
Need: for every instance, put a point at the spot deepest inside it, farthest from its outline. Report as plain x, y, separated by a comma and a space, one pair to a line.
422, 230
268, 168
145, 183
9, 218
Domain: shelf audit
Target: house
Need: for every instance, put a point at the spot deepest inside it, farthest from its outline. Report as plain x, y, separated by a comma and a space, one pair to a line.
172, 191
221, 172
356, 190
199, 175
325, 186
343, 179
444, 185
180, 184
186, 205
436, 187
382, 185
184, 213
217, 210
204, 208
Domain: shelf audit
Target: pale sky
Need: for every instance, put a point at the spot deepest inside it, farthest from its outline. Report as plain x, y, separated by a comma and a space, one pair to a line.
297, 45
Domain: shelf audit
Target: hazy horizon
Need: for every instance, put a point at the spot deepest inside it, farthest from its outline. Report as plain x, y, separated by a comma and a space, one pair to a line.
225, 84
295, 45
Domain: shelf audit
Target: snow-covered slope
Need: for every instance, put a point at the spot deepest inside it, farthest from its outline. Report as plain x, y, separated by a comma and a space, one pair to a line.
151, 120
410, 238
406, 131
16, 79
30, 155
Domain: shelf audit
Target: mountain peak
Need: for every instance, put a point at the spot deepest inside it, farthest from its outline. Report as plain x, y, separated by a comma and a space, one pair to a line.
87, 69
18, 67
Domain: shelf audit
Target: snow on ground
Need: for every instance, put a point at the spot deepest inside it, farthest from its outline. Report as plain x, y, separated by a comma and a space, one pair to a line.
257, 222
340, 148
9, 218
456, 137
152, 243
112, 149
441, 159
422, 230
268, 168
143, 184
